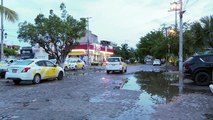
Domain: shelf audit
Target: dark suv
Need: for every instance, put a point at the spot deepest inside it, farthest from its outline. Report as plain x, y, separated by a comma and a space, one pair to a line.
199, 68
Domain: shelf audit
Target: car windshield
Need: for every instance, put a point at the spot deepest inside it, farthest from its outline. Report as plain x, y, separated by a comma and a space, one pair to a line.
72, 61
53, 61
22, 62
190, 58
113, 60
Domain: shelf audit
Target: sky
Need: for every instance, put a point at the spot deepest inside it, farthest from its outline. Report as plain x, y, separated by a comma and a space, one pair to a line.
119, 21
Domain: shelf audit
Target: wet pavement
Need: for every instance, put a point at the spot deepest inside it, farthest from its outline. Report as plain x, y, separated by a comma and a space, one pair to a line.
92, 94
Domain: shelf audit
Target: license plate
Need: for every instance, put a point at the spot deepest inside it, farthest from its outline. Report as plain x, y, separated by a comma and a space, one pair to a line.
14, 70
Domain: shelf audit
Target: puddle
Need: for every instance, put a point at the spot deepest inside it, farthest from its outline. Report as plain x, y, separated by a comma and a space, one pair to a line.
154, 84
154, 88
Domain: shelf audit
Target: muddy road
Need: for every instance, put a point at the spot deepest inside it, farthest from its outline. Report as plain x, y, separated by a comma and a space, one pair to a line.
91, 94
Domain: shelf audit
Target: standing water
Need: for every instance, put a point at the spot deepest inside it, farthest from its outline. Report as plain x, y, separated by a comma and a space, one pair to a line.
155, 88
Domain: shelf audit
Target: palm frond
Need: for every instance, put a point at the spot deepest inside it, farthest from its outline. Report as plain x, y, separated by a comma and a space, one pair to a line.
10, 15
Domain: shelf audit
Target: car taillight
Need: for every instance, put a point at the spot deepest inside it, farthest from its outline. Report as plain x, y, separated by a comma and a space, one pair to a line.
25, 69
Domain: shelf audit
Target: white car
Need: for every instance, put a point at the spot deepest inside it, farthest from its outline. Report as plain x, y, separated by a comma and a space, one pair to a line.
73, 64
3, 67
116, 64
156, 62
33, 70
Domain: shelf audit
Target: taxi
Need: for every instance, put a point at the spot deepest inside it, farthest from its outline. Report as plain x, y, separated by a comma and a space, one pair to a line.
80, 64
73, 64
33, 70
3, 67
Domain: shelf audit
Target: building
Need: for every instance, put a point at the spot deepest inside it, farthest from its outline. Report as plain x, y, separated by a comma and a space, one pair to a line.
98, 51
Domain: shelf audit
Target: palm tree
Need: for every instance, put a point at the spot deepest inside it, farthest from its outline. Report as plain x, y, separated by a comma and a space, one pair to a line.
207, 25
10, 15
202, 33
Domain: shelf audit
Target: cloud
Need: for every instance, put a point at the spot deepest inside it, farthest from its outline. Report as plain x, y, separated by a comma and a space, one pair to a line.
115, 20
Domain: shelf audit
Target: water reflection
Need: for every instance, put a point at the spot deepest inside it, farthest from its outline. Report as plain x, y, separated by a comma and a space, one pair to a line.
157, 85
155, 89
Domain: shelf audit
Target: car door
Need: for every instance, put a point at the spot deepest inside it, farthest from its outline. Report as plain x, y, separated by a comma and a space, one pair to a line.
41, 69
51, 70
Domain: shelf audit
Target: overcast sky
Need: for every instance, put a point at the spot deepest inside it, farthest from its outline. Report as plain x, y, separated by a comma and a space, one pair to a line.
120, 21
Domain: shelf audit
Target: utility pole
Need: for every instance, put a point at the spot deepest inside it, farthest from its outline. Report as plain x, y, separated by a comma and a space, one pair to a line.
181, 50
88, 41
2, 34
179, 7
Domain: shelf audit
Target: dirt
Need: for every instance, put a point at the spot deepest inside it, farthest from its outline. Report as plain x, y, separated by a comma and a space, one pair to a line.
92, 94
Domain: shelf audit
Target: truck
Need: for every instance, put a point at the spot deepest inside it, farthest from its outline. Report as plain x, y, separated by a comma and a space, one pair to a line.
33, 52
26, 53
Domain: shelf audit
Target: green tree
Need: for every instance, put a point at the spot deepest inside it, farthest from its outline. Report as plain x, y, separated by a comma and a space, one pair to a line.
56, 35
202, 33
9, 14
154, 44
124, 51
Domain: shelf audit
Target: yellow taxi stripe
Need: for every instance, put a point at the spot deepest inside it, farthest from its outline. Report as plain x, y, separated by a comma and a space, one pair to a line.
42, 71
34, 72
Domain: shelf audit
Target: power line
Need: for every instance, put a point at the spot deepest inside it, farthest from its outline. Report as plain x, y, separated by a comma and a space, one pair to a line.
191, 4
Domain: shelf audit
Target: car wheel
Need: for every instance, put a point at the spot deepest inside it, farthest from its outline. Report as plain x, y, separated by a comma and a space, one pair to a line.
16, 82
36, 79
60, 76
122, 71
66, 68
125, 70
107, 71
82, 67
202, 78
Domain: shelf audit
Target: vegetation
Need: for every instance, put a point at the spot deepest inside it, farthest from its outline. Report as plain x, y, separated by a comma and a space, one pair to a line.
10, 52
56, 35
9, 14
197, 36
125, 52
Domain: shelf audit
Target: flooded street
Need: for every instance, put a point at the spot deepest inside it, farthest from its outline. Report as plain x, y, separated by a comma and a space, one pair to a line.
92, 94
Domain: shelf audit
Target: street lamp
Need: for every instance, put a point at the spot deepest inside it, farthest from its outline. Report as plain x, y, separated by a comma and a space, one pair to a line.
88, 41
175, 7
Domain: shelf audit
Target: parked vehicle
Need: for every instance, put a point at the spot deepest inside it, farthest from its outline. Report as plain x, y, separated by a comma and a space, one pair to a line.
156, 62
3, 67
73, 64
26, 53
97, 63
116, 64
33, 70
199, 68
